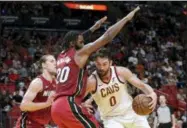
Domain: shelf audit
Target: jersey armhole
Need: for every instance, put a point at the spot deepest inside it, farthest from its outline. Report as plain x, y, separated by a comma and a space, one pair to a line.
93, 92
73, 58
41, 78
117, 75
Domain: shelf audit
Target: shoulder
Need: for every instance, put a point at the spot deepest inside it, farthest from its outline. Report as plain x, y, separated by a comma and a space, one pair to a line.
171, 109
36, 81
36, 84
92, 79
122, 70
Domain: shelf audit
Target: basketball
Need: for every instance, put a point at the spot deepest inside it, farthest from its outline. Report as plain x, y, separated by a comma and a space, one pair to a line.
141, 105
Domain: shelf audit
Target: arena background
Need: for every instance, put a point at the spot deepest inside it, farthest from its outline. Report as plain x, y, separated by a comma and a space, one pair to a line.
153, 46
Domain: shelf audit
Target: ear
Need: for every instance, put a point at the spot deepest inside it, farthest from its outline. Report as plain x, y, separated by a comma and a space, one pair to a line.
43, 65
72, 44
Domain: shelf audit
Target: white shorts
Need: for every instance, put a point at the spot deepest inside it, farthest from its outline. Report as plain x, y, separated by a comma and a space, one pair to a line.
128, 120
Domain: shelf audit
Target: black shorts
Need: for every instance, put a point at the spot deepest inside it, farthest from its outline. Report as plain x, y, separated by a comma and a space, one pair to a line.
165, 125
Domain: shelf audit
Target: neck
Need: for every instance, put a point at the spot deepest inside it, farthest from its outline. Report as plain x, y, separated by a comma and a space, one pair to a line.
163, 105
107, 77
47, 76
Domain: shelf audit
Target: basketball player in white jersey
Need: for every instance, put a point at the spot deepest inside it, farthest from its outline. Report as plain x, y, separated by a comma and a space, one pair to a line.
108, 86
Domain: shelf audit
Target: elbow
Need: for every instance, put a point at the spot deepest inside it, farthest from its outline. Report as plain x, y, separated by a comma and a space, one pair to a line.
23, 106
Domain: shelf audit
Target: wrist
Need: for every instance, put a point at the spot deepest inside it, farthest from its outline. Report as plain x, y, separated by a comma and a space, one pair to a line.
152, 92
47, 104
92, 29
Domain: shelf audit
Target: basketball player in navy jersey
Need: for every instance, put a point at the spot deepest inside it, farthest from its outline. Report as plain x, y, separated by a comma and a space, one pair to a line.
72, 77
36, 102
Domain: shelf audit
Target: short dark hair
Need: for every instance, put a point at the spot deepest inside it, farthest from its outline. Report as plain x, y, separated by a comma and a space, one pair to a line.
103, 53
71, 36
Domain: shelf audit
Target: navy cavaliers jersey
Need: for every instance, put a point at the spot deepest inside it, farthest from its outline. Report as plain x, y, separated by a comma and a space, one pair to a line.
71, 80
42, 116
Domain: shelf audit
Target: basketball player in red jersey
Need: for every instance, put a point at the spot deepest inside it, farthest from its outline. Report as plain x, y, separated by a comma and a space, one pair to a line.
36, 102
71, 77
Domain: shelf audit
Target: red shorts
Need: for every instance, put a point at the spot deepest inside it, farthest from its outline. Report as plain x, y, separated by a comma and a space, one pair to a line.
67, 114
23, 122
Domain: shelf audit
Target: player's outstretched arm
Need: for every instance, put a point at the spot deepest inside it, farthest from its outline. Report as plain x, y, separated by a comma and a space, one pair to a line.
132, 79
83, 54
96, 26
27, 103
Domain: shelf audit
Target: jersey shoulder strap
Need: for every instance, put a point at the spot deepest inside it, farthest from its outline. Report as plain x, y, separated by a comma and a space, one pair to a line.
116, 74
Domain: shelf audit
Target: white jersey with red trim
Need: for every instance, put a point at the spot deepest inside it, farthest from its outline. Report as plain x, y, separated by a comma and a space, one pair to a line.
112, 98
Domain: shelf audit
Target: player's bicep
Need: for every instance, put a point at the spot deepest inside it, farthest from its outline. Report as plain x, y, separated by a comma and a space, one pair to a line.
82, 55
92, 47
34, 88
132, 79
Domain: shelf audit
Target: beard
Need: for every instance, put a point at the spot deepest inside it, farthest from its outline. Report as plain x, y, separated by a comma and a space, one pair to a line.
102, 73
79, 46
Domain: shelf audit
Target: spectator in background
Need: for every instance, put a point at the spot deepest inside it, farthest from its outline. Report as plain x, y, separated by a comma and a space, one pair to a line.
13, 76
6, 104
22, 71
32, 50
166, 120
8, 60
167, 68
3, 52
133, 59
150, 56
184, 119
178, 119
4, 74
181, 95
16, 61
171, 79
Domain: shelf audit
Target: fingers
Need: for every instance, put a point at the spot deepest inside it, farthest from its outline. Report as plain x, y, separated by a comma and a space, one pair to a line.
89, 101
103, 19
90, 111
89, 106
137, 9
152, 104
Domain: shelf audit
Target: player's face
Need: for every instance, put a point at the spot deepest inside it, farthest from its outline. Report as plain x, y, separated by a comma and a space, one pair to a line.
50, 65
80, 42
102, 65
162, 99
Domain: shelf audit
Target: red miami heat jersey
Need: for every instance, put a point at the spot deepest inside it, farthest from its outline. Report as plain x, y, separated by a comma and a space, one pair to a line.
42, 116
71, 80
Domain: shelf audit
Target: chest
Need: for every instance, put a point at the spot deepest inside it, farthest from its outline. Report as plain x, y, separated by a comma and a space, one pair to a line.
48, 89
112, 88
163, 110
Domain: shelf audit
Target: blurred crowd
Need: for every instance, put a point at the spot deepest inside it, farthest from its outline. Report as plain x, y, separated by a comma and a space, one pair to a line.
152, 46
32, 8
